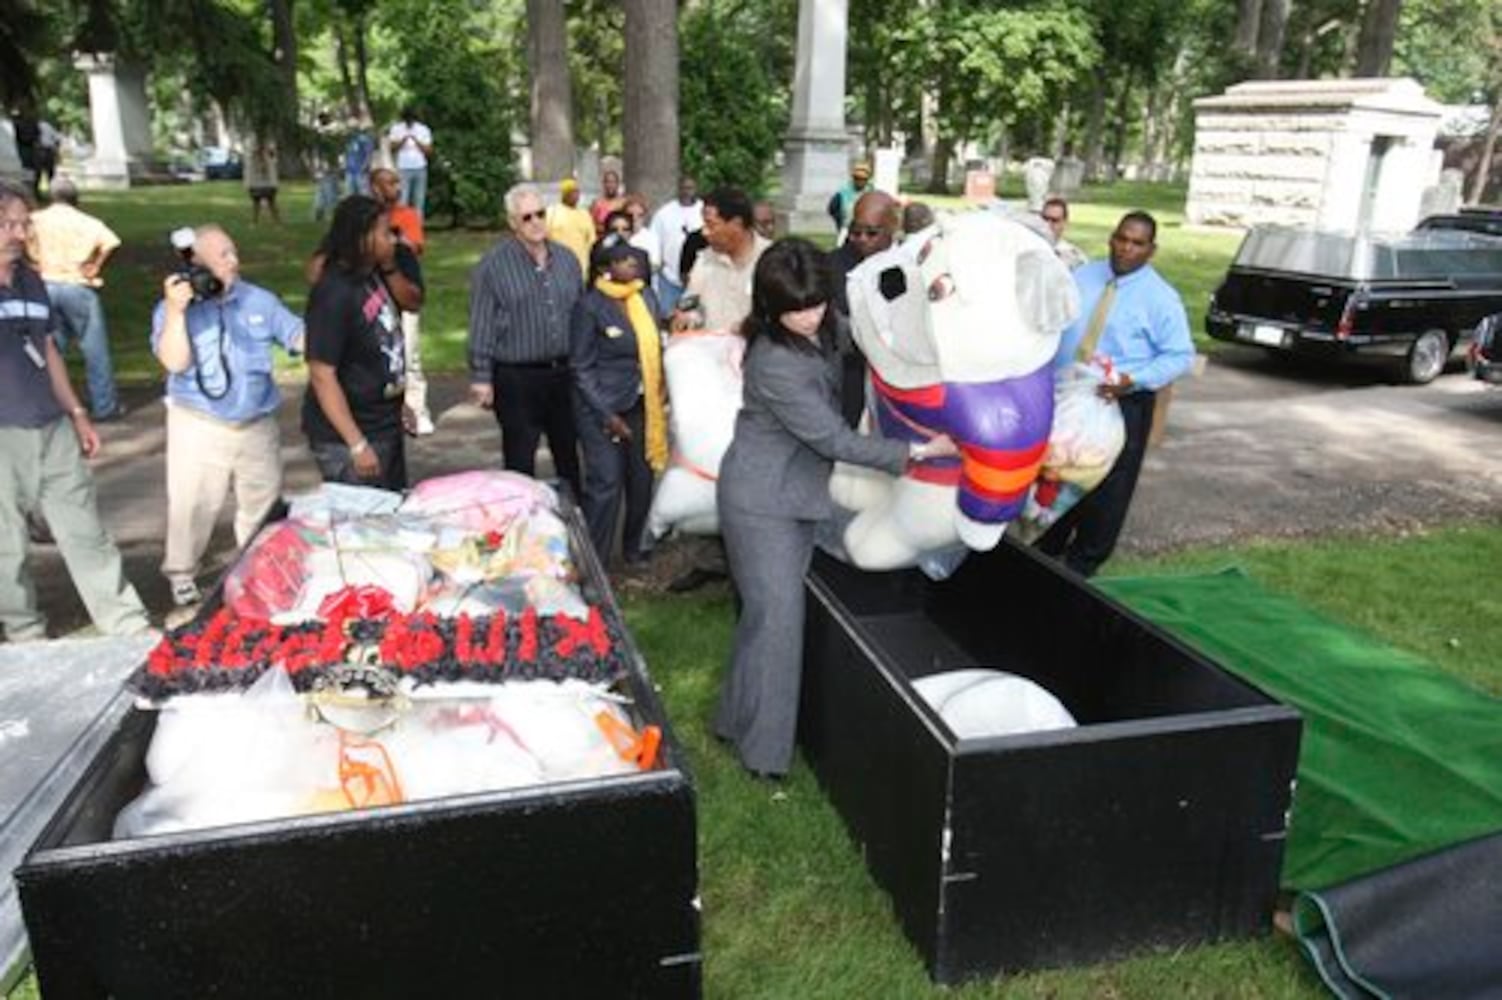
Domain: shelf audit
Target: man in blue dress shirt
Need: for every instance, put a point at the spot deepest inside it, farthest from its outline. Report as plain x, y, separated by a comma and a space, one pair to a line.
222, 402
1130, 316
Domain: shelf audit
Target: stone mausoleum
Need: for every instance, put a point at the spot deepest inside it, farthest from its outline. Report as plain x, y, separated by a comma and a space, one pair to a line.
1344, 155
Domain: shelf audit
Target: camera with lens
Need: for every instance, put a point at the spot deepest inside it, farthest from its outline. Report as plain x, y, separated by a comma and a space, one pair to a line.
203, 282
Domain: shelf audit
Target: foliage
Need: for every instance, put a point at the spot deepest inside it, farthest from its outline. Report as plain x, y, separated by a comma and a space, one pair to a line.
454, 80
597, 70
732, 111
1426, 49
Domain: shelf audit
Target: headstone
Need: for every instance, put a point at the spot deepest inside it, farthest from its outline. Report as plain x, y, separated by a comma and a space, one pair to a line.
1068, 176
888, 173
588, 172
120, 121
10, 160
1037, 175
1444, 197
817, 146
980, 186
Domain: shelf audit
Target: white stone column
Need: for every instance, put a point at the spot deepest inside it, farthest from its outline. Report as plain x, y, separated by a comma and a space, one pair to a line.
119, 120
817, 147
10, 160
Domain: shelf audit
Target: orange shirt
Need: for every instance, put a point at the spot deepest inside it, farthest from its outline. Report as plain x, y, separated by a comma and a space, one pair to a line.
409, 221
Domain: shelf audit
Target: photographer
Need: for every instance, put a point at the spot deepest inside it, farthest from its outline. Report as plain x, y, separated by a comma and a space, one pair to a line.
214, 334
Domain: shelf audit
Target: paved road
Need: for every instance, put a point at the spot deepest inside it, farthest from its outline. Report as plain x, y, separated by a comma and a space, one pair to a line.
1255, 448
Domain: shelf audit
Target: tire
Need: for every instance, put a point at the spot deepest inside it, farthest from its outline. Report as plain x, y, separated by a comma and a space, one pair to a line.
1426, 358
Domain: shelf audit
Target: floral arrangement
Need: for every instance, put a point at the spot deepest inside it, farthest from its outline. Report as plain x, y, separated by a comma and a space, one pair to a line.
226, 652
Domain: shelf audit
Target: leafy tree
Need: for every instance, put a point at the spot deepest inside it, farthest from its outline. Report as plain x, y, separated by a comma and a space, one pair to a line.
732, 110
455, 78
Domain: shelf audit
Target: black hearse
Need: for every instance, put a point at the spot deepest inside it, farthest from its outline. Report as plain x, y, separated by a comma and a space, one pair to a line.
1412, 298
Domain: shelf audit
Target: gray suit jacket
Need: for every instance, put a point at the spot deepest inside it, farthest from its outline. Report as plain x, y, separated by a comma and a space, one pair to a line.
789, 434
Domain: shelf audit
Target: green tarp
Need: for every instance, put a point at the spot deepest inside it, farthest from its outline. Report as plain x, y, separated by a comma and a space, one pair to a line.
1397, 759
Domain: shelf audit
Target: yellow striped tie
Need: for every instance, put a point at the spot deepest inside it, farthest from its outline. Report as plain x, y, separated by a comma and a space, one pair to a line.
1097, 324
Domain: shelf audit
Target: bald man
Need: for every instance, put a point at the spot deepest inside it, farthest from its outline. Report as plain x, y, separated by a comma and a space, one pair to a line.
873, 227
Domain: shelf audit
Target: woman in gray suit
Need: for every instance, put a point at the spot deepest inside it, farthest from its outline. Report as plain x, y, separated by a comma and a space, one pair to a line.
774, 490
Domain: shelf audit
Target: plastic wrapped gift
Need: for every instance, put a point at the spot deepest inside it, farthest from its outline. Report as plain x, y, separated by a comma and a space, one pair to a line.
481, 500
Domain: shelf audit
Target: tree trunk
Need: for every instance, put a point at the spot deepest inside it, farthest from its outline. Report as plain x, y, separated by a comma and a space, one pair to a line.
1270, 38
1119, 128
1152, 131
1379, 26
362, 68
552, 99
1058, 143
284, 52
650, 96
938, 181
1095, 128
346, 77
1248, 22
1488, 148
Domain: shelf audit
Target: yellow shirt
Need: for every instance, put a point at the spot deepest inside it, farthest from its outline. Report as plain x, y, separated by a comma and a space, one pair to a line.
574, 229
65, 240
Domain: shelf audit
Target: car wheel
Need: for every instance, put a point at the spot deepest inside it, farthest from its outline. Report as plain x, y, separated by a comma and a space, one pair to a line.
1427, 357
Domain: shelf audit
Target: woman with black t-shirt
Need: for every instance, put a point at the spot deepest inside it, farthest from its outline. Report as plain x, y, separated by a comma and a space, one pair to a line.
354, 414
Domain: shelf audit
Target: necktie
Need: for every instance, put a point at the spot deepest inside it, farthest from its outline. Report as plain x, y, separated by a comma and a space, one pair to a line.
1097, 324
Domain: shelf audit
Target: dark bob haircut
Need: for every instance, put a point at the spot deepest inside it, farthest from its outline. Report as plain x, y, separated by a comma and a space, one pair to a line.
354, 218
791, 276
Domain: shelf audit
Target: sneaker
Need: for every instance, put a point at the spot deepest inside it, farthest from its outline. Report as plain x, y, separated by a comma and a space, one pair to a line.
185, 593
424, 425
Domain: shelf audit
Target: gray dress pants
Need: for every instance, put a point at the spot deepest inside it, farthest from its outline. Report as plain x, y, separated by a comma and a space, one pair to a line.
758, 709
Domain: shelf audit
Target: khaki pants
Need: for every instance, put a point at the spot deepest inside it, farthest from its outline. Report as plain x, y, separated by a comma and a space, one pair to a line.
417, 383
42, 470
205, 456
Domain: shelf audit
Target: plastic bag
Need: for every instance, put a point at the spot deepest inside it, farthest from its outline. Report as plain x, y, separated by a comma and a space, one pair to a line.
481, 500
270, 575
703, 370
222, 759
1088, 433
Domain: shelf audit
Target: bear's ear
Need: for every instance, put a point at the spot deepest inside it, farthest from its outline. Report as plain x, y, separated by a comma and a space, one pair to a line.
892, 283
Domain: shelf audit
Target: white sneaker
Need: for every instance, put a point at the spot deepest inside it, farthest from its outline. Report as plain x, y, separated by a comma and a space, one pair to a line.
424, 425
185, 593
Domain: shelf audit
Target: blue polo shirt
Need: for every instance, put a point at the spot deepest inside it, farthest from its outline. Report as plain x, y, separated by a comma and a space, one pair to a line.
231, 377
26, 323
1147, 331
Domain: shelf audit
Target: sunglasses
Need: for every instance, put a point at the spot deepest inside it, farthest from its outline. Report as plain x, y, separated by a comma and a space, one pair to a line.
1053, 218
532, 216
867, 231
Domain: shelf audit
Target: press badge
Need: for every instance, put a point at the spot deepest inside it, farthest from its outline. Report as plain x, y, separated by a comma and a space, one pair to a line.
32, 353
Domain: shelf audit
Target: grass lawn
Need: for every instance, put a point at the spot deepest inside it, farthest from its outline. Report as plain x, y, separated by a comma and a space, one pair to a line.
273, 256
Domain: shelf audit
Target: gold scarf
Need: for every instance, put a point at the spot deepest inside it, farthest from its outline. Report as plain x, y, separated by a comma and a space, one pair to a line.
649, 354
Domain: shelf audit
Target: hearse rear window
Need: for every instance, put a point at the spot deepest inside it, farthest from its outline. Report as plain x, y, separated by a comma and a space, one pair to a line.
1425, 255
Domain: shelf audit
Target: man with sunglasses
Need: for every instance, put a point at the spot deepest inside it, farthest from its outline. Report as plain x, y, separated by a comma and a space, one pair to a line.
521, 299
215, 341
873, 228
1055, 213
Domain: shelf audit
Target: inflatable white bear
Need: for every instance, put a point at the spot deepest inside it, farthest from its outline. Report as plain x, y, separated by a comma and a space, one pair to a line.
704, 385
959, 325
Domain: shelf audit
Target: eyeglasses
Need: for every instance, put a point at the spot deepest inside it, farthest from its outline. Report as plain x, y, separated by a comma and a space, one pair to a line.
532, 216
867, 231
19, 225
1053, 218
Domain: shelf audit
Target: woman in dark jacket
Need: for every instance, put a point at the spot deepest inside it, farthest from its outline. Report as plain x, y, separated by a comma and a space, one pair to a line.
619, 396
773, 491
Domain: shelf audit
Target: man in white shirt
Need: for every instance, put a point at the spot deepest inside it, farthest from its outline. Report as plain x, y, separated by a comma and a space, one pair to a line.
412, 144
672, 224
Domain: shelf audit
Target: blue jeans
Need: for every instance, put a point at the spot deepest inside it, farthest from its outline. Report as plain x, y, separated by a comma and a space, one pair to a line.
668, 294
415, 189
83, 320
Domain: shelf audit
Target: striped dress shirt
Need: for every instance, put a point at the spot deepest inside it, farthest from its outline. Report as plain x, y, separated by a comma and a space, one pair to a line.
519, 311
